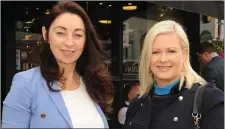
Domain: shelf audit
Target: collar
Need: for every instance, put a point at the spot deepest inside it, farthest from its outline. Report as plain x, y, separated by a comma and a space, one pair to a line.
212, 59
164, 90
214, 54
127, 103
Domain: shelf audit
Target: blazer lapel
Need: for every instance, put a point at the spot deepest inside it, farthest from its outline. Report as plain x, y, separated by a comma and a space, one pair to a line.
59, 102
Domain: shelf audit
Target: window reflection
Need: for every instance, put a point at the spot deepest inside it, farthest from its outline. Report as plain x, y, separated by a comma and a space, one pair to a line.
135, 28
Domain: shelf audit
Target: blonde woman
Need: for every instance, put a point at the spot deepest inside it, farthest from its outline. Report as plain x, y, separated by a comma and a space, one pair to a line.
168, 84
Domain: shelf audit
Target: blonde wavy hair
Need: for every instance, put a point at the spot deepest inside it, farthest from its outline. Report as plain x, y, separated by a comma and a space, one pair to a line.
146, 76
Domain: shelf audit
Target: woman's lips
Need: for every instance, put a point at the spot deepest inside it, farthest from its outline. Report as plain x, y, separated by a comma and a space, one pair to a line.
164, 68
67, 52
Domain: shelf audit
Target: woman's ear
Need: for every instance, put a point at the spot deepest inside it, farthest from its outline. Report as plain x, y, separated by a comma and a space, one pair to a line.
44, 33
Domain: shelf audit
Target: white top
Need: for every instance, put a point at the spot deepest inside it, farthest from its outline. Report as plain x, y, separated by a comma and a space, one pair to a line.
81, 108
122, 113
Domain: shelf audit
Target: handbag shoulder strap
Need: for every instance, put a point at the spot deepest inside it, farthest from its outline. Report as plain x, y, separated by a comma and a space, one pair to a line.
197, 105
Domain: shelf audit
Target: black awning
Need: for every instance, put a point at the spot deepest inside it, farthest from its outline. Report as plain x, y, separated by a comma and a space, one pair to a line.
208, 8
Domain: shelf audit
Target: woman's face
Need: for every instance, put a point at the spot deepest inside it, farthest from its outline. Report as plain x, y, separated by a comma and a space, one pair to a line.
167, 58
66, 38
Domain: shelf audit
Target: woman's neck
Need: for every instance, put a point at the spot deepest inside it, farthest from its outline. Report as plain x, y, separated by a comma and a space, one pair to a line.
72, 78
163, 83
68, 70
164, 90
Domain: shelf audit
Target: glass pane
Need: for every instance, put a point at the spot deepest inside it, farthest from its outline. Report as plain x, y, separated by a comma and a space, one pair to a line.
29, 21
136, 25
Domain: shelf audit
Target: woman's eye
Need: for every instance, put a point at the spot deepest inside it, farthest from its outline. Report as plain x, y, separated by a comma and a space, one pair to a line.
78, 35
172, 51
155, 52
59, 33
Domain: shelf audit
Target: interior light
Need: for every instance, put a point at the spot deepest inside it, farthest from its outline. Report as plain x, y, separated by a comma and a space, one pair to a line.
130, 7
47, 11
28, 37
105, 21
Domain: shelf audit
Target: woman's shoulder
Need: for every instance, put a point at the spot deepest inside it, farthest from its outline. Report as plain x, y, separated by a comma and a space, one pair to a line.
23, 87
212, 97
212, 90
26, 78
29, 72
212, 93
28, 75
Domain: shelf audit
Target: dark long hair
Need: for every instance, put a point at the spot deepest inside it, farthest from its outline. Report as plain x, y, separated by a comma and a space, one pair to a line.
90, 65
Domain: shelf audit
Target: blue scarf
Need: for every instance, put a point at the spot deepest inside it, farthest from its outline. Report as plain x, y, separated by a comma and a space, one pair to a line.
164, 90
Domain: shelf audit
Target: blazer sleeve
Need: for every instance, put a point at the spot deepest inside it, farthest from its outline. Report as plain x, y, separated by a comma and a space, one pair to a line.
17, 104
212, 109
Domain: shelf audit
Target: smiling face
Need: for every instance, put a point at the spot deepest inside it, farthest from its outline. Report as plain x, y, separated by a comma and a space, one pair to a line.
167, 58
66, 38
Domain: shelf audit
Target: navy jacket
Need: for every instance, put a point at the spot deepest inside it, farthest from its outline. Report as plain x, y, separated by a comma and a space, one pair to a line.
213, 72
176, 113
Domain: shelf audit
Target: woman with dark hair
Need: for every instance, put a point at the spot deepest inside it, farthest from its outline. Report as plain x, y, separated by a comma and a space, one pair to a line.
71, 86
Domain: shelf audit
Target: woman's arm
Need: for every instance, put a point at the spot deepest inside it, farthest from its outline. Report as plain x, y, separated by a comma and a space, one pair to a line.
17, 105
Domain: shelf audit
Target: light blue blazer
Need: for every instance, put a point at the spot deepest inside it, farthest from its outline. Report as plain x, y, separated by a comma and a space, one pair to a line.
30, 104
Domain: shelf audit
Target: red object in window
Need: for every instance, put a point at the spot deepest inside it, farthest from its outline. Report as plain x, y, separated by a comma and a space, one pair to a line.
221, 54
